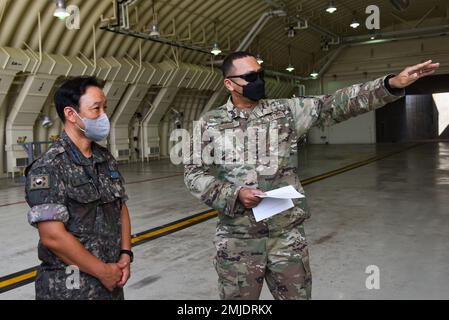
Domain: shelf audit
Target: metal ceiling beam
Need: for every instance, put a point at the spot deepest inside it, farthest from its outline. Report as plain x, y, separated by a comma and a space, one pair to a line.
264, 18
145, 36
397, 35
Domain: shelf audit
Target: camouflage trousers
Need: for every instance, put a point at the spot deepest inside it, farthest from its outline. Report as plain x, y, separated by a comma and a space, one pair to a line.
283, 261
52, 285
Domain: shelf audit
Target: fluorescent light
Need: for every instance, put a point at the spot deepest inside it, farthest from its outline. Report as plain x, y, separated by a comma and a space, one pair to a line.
61, 10
290, 68
216, 49
355, 24
259, 59
61, 13
154, 31
331, 8
314, 74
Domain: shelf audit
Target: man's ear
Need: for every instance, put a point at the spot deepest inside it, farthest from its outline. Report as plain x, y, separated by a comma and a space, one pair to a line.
69, 114
228, 85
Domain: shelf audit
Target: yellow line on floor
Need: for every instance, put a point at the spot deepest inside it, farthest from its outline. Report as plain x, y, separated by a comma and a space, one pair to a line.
17, 279
174, 227
212, 213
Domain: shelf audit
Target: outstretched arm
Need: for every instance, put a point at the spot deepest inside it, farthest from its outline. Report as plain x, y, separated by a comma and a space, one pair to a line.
355, 100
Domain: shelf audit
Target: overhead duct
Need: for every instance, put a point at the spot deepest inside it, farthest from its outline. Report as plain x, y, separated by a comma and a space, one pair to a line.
258, 26
255, 30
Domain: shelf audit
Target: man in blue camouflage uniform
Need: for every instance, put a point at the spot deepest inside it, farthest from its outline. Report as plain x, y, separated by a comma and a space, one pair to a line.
77, 201
274, 249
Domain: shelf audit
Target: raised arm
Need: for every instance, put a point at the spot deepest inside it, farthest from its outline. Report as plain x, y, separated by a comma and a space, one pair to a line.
356, 99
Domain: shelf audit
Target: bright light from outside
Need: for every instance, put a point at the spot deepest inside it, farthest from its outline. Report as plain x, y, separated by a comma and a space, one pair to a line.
442, 104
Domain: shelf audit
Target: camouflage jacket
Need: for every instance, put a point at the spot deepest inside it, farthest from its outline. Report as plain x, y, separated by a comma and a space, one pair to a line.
291, 118
85, 194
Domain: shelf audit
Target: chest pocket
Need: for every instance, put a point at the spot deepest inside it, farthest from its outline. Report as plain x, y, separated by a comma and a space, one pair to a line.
111, 185
82, 190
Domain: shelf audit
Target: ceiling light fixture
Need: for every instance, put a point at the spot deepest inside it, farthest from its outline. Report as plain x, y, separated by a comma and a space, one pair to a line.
331, 8
154, 30
290, 67
216, 48
314, 74
61, 10
355, 23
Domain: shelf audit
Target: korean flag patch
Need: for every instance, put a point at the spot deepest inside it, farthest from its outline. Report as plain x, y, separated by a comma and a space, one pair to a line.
40, 182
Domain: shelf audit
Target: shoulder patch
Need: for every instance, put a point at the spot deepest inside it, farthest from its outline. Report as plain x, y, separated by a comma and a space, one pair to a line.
40, 182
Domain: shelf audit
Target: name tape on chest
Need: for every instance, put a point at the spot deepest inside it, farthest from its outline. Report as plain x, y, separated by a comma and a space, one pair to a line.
228, 125
276, 115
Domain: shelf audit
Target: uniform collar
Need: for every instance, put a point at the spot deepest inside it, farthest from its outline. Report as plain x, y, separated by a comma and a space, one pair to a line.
77, 156
260, 110
235, 112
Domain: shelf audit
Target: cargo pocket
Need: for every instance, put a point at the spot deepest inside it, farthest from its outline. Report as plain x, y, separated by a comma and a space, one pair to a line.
228, 279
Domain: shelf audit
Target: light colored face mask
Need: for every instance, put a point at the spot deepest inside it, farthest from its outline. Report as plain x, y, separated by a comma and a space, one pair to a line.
95, 129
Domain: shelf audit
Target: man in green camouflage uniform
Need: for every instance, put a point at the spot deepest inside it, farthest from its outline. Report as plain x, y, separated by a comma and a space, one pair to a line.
274, 249
77, 201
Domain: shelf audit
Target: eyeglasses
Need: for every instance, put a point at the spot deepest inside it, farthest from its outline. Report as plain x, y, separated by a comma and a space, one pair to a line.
251, 76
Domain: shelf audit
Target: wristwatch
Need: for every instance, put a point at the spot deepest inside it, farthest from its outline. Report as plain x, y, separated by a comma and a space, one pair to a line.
129, 253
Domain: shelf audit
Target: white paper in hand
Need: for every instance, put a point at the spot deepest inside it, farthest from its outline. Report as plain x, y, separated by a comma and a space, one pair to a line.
276, 201
288, 192
269, 207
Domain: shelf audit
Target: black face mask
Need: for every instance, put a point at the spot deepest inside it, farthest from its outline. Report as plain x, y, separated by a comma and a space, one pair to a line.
254, 90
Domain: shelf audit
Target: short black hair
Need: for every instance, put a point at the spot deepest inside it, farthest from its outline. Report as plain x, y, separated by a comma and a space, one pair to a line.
228, 62
70, 92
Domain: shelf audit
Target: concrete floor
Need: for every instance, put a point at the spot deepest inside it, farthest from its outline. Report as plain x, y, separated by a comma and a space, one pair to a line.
392, 213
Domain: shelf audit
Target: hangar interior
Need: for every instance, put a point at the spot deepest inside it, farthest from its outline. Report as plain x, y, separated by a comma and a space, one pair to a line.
389, 208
